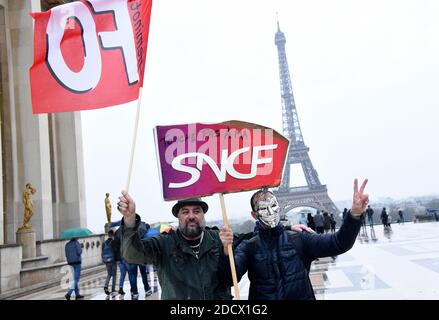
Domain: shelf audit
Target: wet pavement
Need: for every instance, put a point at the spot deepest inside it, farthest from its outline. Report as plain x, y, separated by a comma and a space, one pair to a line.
92, 288
402, 263
399, 264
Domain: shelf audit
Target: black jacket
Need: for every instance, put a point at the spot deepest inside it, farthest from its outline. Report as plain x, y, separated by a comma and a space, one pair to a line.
278, 261
116, 245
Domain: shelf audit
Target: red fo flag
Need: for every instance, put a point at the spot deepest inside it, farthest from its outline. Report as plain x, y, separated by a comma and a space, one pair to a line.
89, 54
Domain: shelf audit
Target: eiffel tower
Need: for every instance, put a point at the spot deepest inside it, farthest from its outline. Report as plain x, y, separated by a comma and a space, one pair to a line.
313, 194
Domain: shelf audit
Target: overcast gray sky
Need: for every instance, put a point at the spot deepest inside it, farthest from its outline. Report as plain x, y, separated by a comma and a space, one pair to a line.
365, 77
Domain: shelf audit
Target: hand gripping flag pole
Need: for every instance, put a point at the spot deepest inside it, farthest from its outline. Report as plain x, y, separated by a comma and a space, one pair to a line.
230, 250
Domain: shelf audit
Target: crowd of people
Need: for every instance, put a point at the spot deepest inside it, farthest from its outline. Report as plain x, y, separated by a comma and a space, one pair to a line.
112, 257
113, 260
321, 222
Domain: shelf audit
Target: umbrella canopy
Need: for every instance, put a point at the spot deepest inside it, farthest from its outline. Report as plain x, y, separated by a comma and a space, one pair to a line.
75, 233
160, 228
164, 228
151, 233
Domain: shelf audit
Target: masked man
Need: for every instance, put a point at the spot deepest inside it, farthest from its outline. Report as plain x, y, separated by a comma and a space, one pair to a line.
278, 260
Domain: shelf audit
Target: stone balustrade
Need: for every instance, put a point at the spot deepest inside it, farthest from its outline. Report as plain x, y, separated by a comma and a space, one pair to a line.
48, 265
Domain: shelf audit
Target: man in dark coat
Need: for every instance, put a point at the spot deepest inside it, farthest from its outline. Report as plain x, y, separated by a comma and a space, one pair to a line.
370, 212
186, 258
385, 218
277, 260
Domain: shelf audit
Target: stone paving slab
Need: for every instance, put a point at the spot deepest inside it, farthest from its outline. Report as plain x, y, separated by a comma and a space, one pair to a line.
399, 264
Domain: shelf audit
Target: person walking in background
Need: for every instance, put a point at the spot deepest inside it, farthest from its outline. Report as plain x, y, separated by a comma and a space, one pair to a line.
345, 212
73, 252
389, 221
326, 222
310, 221
319, 222
333, 222
369, 212
384, 218
363, 224
108, 257
132, 273
401, 216
303, 219
134, 267
123, 266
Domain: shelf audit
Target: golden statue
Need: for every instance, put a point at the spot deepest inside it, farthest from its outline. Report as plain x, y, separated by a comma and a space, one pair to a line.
108, 207
28, 207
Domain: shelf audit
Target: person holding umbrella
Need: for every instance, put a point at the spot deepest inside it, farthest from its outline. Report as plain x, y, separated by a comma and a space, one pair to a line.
73, 253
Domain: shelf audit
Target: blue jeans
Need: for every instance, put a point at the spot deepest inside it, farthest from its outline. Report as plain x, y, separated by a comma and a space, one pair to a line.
76, 275
132, 276
123, 266
111, 274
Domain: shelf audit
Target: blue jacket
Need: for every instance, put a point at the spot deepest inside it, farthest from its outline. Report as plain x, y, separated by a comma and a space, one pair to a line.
278, 260
73, 252
143, 230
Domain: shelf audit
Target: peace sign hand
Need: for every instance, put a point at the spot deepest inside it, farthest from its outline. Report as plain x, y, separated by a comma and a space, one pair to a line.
360, 200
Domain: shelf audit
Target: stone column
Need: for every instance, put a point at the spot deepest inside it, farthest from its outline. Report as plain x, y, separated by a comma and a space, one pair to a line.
31, 134
8, 139
2, 65
68, 182
28, 240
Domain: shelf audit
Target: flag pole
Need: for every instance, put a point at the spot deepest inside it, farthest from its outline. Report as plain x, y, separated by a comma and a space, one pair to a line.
133, 146
230, 250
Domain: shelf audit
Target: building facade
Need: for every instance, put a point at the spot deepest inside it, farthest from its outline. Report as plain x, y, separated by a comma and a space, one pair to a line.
44, 150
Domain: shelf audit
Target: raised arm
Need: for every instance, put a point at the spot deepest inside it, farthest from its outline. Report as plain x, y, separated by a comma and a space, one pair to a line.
133, 248
316, 246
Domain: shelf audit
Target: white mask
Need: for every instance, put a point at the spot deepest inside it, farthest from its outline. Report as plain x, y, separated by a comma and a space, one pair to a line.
267, 212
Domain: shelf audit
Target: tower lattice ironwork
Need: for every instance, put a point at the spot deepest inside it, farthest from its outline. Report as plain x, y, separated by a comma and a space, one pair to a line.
313, 194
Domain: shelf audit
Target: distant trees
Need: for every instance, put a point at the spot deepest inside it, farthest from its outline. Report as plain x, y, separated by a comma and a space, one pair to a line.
244, 227
433, 204
237, 227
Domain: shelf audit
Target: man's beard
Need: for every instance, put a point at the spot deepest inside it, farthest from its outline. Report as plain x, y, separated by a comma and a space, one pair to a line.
192, 232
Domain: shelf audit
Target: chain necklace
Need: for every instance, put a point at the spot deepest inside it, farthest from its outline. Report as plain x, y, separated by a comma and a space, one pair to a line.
196, 248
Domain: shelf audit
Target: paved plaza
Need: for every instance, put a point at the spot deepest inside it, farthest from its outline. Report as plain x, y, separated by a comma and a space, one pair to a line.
400, 264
